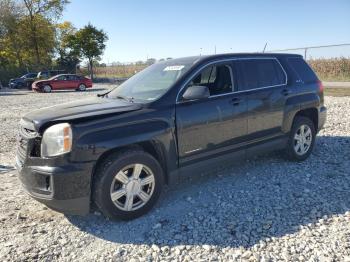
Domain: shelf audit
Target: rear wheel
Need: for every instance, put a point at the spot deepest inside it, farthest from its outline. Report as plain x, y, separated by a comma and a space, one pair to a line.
127, 184
301, 139
47, 88
82, 87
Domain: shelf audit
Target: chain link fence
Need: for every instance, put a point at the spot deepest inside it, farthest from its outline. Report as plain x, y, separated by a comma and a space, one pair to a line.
331, 63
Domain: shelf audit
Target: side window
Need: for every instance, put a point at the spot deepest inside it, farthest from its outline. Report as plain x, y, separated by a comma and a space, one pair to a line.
259, 73
61, 78
217, 78
30, 75
270, 73
72, 77
248, 74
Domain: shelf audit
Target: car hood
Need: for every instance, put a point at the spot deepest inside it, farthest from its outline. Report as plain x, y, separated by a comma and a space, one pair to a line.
16, 79
41, 81
81, 109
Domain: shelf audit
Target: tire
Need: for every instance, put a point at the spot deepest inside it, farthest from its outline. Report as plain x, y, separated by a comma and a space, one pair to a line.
29, 85
81, 87
47, 89
300, 149
122, 165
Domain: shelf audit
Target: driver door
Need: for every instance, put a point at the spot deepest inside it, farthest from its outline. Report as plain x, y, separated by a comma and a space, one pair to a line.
211, 126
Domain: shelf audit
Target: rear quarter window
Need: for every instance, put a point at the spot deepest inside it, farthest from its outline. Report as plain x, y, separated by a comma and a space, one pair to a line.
302, 69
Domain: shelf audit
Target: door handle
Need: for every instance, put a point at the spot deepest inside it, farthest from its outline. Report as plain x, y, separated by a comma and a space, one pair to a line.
236, 101
286, 92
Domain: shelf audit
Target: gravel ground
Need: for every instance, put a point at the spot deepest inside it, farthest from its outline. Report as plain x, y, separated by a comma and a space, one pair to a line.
266, 209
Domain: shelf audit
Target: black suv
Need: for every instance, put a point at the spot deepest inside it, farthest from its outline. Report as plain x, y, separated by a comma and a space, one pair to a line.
49, 73
180, 116
23, 81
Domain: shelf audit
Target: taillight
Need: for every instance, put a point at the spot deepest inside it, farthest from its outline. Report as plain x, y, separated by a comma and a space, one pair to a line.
320, 86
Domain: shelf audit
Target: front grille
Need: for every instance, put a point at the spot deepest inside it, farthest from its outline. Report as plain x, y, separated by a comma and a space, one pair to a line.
22, 150
36, 151
26, 140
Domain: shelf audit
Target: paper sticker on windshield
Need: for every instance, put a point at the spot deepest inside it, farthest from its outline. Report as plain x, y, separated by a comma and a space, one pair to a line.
174, 68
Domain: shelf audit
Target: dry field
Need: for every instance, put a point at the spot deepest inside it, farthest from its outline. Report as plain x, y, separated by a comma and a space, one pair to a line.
335, 69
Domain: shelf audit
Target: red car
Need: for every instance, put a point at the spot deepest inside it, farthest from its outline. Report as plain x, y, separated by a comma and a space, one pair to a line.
61, 82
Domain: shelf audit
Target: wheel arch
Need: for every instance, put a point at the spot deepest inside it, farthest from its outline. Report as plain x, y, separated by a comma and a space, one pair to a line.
311, 113
151, 147
306, 105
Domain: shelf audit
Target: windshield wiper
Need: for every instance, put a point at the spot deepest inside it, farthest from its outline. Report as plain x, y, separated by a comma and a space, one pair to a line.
104, 94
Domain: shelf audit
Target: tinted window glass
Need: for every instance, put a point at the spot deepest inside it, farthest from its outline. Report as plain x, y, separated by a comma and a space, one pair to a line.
302, 69
258, 73
248, 74
61, 77
216, 78
72, 77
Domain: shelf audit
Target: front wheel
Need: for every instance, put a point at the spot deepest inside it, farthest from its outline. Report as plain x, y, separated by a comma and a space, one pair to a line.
301, 139
82, 87
47, 88
127, 184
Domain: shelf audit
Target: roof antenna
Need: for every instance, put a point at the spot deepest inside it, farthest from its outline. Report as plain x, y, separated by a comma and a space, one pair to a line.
265, 47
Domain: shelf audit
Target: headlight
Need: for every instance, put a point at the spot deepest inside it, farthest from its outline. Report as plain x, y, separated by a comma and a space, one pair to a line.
57, 140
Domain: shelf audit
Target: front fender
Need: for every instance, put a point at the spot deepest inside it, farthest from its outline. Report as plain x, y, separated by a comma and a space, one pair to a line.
96, 139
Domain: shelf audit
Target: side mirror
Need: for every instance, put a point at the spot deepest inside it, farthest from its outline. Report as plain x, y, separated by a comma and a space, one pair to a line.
196, 92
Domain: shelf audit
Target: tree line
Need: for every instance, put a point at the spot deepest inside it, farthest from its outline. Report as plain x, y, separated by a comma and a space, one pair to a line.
33, 39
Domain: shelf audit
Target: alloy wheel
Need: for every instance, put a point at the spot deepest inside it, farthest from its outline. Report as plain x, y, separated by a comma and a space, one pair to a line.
302, 140
132, 187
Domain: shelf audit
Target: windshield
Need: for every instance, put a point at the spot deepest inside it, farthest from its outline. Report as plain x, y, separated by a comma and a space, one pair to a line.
56, 76
28, 76
152, 82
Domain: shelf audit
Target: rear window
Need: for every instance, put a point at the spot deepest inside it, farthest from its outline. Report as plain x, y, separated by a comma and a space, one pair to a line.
259, 73
302, 69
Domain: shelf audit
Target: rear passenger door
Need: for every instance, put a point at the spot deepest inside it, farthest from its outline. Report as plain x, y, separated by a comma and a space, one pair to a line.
263, 80
72, 82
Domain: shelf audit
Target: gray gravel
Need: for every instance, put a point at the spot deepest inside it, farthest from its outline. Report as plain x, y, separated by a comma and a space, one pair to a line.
266, 209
